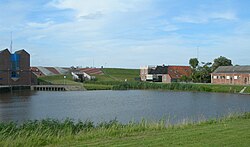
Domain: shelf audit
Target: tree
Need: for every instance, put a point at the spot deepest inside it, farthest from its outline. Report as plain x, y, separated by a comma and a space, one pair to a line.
221, 61
193, 62
205, 71
202, 73
185, 79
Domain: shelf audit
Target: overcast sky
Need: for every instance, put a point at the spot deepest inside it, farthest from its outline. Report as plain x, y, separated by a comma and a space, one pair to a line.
126, 33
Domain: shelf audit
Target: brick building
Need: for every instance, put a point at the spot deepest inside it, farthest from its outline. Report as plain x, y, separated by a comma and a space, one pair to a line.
234, 75
15, 68
164, 74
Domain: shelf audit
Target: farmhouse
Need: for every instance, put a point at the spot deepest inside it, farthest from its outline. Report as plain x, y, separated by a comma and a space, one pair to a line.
164, 74
235, 75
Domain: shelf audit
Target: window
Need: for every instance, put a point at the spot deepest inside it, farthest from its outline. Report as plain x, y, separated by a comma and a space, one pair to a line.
15, 65
227, 77
215, 77
15, 74
235, 77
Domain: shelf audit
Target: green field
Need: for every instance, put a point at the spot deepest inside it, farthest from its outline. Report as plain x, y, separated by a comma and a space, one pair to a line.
118, 74
228, 131
59, 80
111, 77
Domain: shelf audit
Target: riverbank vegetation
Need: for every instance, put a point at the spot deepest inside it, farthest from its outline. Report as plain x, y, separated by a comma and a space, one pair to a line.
233, 130
182, 87
114, 79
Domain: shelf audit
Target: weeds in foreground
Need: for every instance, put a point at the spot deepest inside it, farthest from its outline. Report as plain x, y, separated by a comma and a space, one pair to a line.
49, 131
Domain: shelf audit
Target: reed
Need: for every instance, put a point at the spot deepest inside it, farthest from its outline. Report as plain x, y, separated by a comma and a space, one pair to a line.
53, 132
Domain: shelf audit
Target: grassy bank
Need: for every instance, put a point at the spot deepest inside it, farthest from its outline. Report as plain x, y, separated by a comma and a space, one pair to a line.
58, 80
106, 81
114, 78
228, 131
181, 87
118, 74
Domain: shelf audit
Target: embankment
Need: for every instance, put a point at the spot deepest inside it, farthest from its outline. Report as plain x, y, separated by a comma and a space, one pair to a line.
227, 131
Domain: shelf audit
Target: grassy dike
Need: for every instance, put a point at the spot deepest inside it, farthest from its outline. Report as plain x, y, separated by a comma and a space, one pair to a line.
228, 131
114, 79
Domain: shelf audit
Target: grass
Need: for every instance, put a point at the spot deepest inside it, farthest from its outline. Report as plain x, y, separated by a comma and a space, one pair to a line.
181, 87
59, 80
118, 74
228, 131
247, 90
111, 77
90, 86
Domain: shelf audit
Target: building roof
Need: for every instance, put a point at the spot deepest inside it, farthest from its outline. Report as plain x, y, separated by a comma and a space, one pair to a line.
233, 69
159, 70
176, 72
21, 51
4, 50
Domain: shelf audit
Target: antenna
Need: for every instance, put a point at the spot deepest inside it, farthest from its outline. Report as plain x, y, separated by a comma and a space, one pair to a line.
11, 42
198, 52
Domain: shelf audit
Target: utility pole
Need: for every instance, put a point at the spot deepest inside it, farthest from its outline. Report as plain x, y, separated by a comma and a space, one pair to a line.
198, 52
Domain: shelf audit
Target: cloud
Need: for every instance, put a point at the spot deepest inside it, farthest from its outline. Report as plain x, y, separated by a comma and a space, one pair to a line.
202, 17
95, 15
90, 8
170, 27
122, 33
40, 25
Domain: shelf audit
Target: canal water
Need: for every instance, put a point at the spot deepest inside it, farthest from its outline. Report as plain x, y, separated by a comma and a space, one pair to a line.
124, 106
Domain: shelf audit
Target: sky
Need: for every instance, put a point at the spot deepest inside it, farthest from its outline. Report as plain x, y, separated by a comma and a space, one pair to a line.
126, 33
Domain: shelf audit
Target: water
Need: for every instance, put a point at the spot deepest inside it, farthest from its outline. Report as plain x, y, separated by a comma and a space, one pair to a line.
123, 105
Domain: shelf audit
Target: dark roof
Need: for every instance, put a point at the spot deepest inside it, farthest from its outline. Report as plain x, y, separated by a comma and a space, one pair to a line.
233, 69
159, 70
174, 71
21, 51
4, 50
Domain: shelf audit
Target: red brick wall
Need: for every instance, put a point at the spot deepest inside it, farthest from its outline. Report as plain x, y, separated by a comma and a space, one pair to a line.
25, 72
4, 67
230, 78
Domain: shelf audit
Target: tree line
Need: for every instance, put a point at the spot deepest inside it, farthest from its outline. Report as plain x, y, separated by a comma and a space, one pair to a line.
201, 71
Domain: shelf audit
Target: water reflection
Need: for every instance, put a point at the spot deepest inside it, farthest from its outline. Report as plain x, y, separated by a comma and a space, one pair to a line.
123, 105
15, 106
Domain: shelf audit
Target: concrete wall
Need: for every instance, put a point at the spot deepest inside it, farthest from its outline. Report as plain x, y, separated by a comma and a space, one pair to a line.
166, 78
143, 73
230, 78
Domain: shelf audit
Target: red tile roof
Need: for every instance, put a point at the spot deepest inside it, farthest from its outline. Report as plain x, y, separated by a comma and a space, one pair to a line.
53, 70
36, 71
92, 71
177, 72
